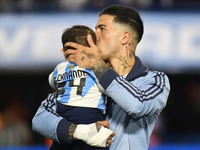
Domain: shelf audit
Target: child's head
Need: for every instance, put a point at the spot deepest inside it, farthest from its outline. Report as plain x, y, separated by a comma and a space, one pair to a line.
77, 34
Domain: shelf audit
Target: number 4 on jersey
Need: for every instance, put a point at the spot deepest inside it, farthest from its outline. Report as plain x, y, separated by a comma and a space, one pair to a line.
79, 85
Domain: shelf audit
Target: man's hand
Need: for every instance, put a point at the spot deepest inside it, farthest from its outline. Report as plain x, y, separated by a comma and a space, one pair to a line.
84, 57
110, 139
93, 134
105, 124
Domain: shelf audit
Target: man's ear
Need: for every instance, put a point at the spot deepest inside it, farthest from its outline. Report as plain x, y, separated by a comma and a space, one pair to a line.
125, 38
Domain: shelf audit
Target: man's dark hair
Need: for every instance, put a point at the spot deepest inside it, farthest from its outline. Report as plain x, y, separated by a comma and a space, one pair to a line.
127, 16
77, 34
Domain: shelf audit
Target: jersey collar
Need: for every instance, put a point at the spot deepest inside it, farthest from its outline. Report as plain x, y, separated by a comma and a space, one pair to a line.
138, 70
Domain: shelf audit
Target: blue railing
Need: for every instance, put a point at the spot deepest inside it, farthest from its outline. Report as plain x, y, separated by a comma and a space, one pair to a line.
177, 147
161, 147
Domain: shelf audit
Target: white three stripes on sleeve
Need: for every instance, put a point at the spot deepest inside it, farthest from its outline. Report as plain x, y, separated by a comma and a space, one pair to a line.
148, 94
50, 104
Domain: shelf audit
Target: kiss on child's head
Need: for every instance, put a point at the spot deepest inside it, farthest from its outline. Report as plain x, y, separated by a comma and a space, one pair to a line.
77, 34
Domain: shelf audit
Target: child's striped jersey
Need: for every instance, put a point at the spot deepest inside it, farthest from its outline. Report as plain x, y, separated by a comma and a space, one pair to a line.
76, 86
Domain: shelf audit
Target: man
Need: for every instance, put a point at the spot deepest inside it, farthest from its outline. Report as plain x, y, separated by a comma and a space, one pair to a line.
136, 96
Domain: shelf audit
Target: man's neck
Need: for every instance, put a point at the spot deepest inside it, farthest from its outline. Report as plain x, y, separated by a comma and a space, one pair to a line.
122, 66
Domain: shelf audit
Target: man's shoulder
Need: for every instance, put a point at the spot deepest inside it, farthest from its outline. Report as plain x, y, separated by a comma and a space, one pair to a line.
160, 74
152, 75
157, 76
154, 72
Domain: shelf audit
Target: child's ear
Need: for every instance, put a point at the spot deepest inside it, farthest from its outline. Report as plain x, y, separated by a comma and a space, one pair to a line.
62, 51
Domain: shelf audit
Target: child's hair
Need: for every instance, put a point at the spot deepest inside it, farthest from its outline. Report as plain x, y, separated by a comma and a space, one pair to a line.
77, 34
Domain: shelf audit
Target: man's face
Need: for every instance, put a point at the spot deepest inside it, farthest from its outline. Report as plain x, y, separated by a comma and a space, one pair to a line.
108, 37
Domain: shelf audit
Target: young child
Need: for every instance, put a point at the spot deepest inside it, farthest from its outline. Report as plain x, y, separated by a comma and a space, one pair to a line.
79, 98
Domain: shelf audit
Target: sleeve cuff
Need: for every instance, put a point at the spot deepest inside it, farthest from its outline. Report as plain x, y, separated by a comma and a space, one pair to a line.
107, 78
62, 131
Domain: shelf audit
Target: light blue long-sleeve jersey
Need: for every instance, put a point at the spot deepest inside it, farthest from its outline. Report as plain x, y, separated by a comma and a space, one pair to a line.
134, 104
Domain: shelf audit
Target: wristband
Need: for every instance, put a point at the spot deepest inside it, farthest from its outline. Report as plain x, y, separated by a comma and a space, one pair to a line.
90, 135
85, 132
100, 139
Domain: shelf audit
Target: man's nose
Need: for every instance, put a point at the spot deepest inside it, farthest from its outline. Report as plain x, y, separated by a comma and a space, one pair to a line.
97, 35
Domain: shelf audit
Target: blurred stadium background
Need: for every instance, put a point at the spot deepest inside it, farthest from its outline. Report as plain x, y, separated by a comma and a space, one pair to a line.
30, 32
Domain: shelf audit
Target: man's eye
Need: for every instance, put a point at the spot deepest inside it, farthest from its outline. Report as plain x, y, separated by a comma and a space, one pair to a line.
102, 29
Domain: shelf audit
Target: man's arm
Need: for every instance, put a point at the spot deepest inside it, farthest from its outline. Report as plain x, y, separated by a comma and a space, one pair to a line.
49, 124
143, 99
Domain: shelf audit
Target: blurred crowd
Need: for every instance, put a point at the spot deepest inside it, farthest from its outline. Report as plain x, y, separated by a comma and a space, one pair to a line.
93, 5
17, 108
14, 127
